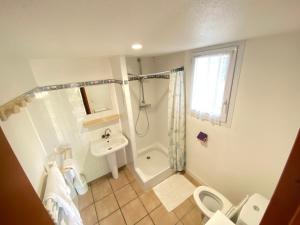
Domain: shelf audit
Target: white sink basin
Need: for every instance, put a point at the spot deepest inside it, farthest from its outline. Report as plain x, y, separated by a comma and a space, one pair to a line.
109, 147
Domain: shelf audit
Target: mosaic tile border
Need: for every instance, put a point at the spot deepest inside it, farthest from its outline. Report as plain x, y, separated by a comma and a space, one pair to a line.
78, 84
159, 76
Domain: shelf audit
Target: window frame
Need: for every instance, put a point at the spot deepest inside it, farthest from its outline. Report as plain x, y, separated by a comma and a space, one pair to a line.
234, 72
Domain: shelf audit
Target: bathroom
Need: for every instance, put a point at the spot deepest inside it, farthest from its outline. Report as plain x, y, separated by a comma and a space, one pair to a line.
65, 95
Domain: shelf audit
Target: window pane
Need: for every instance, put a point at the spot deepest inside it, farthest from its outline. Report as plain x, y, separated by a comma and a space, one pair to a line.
210, 74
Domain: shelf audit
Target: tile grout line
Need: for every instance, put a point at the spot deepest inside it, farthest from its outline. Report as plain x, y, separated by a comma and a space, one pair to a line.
95, 205
94, 202
117, 200
106, 197
113, 192
137, 198
148, 213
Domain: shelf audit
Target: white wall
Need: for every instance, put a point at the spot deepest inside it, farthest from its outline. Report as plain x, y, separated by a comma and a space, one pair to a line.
249, 156
168, 62
15, 78
59, 71
43, 124
27, 146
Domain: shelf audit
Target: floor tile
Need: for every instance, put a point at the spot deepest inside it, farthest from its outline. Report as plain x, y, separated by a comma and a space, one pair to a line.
145, 221
194, 217
149, 200
120, 182
129, 174
114, 219
88, 215
133, 211
137, 187
106, 206
125, 194
161, 216
100, 188
192, 200
183, 208
85, 200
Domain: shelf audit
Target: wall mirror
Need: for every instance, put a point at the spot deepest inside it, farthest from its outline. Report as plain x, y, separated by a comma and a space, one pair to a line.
97, 98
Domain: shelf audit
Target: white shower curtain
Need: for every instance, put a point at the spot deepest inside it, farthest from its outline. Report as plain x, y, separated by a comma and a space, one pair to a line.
176, 120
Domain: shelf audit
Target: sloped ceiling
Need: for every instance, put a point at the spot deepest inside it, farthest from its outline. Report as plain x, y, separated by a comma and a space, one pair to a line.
85, 28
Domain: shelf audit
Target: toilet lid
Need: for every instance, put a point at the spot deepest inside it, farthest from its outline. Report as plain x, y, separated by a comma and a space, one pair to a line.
219, 219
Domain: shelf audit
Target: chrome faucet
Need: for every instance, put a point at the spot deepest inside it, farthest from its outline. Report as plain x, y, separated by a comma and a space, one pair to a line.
107, 133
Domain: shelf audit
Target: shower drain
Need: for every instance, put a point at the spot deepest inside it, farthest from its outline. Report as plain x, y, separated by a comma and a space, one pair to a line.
148, 157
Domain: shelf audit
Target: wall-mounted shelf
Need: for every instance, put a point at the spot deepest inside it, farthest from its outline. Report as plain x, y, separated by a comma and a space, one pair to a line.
100, 121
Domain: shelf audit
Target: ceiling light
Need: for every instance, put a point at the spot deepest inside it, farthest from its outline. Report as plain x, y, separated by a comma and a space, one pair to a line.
136, 46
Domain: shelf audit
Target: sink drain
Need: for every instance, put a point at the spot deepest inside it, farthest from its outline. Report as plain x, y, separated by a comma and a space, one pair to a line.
148, 157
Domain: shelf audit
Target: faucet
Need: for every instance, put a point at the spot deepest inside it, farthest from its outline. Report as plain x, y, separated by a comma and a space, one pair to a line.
107, 133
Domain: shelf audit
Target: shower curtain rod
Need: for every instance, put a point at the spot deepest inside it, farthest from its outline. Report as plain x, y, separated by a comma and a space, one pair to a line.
158, 73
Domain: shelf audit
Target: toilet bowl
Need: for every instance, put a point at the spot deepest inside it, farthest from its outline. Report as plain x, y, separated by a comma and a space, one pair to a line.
209, 201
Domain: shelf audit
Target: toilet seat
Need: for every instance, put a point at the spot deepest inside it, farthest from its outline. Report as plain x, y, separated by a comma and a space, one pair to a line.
214, 198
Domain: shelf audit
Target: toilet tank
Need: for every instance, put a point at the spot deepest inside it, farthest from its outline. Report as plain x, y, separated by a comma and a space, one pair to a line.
253, 211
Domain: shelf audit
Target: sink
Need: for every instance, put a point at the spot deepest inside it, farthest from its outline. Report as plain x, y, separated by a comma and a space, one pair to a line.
108, 148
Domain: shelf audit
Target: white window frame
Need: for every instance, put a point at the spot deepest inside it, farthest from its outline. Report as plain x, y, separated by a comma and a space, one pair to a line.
234, 71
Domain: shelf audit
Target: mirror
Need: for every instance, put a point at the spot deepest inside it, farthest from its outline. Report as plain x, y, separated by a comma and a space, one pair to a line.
96, 98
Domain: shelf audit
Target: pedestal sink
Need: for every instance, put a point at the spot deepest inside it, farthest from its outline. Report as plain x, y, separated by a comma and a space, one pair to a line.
108, 148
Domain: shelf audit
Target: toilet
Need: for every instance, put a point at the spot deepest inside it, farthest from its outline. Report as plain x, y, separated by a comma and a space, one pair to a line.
210, 201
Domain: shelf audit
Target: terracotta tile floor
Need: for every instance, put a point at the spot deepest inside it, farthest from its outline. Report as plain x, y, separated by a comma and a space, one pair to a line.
125, 202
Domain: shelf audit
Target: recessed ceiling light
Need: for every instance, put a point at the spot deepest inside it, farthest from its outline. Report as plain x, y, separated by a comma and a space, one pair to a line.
136, 46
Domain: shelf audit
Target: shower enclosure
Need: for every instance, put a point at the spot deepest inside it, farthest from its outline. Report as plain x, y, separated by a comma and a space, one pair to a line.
149, 99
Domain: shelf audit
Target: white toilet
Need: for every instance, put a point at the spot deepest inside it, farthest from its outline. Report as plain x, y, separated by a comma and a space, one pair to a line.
210, 201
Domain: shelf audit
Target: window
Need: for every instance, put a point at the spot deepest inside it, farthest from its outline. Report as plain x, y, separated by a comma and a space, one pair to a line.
212, 83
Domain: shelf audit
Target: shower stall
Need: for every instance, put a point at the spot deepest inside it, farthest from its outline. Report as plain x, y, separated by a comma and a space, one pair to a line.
149, 99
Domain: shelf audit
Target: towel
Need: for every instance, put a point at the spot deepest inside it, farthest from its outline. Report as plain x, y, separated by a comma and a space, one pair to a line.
58, 191
71, 171
70, 164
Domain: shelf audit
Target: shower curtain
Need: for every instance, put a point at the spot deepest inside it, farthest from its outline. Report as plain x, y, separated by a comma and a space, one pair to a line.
176, 120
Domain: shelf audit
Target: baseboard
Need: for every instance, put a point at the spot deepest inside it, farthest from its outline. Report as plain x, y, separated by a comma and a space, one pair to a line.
197, 178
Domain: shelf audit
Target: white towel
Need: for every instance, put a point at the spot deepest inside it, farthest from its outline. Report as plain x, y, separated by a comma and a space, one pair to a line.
71, 171
58, 191
72, 165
